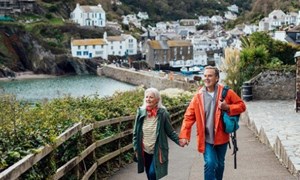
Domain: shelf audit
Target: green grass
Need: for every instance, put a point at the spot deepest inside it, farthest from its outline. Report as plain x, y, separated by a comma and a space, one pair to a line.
57, 21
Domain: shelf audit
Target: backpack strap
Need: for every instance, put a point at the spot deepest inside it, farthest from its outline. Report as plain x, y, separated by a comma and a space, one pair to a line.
224, 92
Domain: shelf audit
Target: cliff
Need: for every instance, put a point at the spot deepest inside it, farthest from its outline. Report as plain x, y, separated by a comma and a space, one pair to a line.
21, 50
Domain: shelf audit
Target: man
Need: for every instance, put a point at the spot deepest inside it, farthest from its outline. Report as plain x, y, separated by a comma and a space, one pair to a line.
205, 109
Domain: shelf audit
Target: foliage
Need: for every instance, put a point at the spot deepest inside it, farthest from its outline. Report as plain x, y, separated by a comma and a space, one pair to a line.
24, 128
259, 52
231, 67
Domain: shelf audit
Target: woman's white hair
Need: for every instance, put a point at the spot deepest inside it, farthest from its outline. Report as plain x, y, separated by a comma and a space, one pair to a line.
156, 95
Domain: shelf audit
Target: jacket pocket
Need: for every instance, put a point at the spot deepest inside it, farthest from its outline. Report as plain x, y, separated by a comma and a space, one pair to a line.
163, 154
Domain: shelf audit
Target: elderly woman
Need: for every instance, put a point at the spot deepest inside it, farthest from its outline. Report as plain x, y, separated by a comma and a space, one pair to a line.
152, 126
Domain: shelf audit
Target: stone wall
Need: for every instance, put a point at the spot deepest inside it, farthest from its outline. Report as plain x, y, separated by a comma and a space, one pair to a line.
275, 85
148, 79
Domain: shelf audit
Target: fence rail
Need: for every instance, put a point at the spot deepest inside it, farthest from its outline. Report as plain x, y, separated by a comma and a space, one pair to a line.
20, 167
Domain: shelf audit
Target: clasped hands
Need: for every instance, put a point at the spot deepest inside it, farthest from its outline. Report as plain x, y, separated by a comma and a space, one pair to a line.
183, 142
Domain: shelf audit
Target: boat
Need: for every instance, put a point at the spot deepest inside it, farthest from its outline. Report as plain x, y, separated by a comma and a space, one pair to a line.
190, 70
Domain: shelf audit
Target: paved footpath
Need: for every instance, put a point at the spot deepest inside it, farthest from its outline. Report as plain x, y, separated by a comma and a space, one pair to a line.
255, 160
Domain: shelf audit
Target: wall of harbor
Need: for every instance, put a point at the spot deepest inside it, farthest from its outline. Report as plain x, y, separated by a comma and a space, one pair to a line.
159, 80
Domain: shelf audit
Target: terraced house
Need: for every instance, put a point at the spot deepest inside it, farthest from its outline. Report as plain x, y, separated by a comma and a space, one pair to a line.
122, 45
169, 54
89, 48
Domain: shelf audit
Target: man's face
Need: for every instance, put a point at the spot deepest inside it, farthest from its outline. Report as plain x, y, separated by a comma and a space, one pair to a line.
210, 79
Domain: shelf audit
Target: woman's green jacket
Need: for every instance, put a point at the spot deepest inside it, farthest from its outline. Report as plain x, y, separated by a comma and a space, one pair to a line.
161, 149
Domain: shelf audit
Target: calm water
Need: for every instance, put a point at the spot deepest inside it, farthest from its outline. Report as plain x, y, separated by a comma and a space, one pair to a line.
75, 86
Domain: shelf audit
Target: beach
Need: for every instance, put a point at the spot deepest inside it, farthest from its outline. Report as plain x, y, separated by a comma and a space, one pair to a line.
27, 75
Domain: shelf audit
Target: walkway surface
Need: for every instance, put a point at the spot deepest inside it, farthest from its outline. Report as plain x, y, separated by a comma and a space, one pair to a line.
274, 123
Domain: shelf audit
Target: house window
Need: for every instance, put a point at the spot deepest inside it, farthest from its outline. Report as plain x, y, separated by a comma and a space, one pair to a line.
78, 47
119, 52
85, 47
131, 40
78, 53
130, 51
85, 53
94, 46
130, 46
112, 48
99, 52
102, 46
120, 47
298, 36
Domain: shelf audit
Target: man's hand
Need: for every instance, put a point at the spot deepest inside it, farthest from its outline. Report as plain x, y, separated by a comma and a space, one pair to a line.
223, 105
183, 142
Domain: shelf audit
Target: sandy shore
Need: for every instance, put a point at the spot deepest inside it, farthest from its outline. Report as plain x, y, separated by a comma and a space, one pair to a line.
27, 75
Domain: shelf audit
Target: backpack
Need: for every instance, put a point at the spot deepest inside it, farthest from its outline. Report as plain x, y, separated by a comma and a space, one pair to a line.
231, 124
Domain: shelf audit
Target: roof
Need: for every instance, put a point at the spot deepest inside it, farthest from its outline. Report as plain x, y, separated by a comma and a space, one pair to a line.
175, 43
86, 42
158, 44
115, 38
92, 9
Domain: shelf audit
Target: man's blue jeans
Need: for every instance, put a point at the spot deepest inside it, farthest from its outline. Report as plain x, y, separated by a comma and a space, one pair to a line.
214, 160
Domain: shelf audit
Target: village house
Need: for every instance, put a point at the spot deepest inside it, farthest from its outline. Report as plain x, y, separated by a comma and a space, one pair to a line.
143, 15
12, 7
200, 57
122, 45
203, 20
230, 16
288, 36
233, 8
249, 29
89, 15
169, 54
89, 48
188, 22
216, 19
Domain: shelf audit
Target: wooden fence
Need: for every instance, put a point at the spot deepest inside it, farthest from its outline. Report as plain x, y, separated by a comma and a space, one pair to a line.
86, 163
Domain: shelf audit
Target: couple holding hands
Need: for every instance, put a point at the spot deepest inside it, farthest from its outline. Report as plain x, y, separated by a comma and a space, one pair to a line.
152, 127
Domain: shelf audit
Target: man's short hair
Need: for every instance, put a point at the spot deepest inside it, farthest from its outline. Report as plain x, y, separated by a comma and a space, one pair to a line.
214, 68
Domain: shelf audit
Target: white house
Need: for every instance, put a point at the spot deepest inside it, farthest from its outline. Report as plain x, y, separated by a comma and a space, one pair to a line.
89, 48
230, 16
264, 24
162, 26
131, 18
233, 8
249, 29
291, 18
280, 35
203, 20
202, 43
121, 45
298, 19
277, 18
143, 15
88, 15
216, 19
199, 57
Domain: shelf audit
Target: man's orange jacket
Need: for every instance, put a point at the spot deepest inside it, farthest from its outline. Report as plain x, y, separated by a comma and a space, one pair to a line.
195, 113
